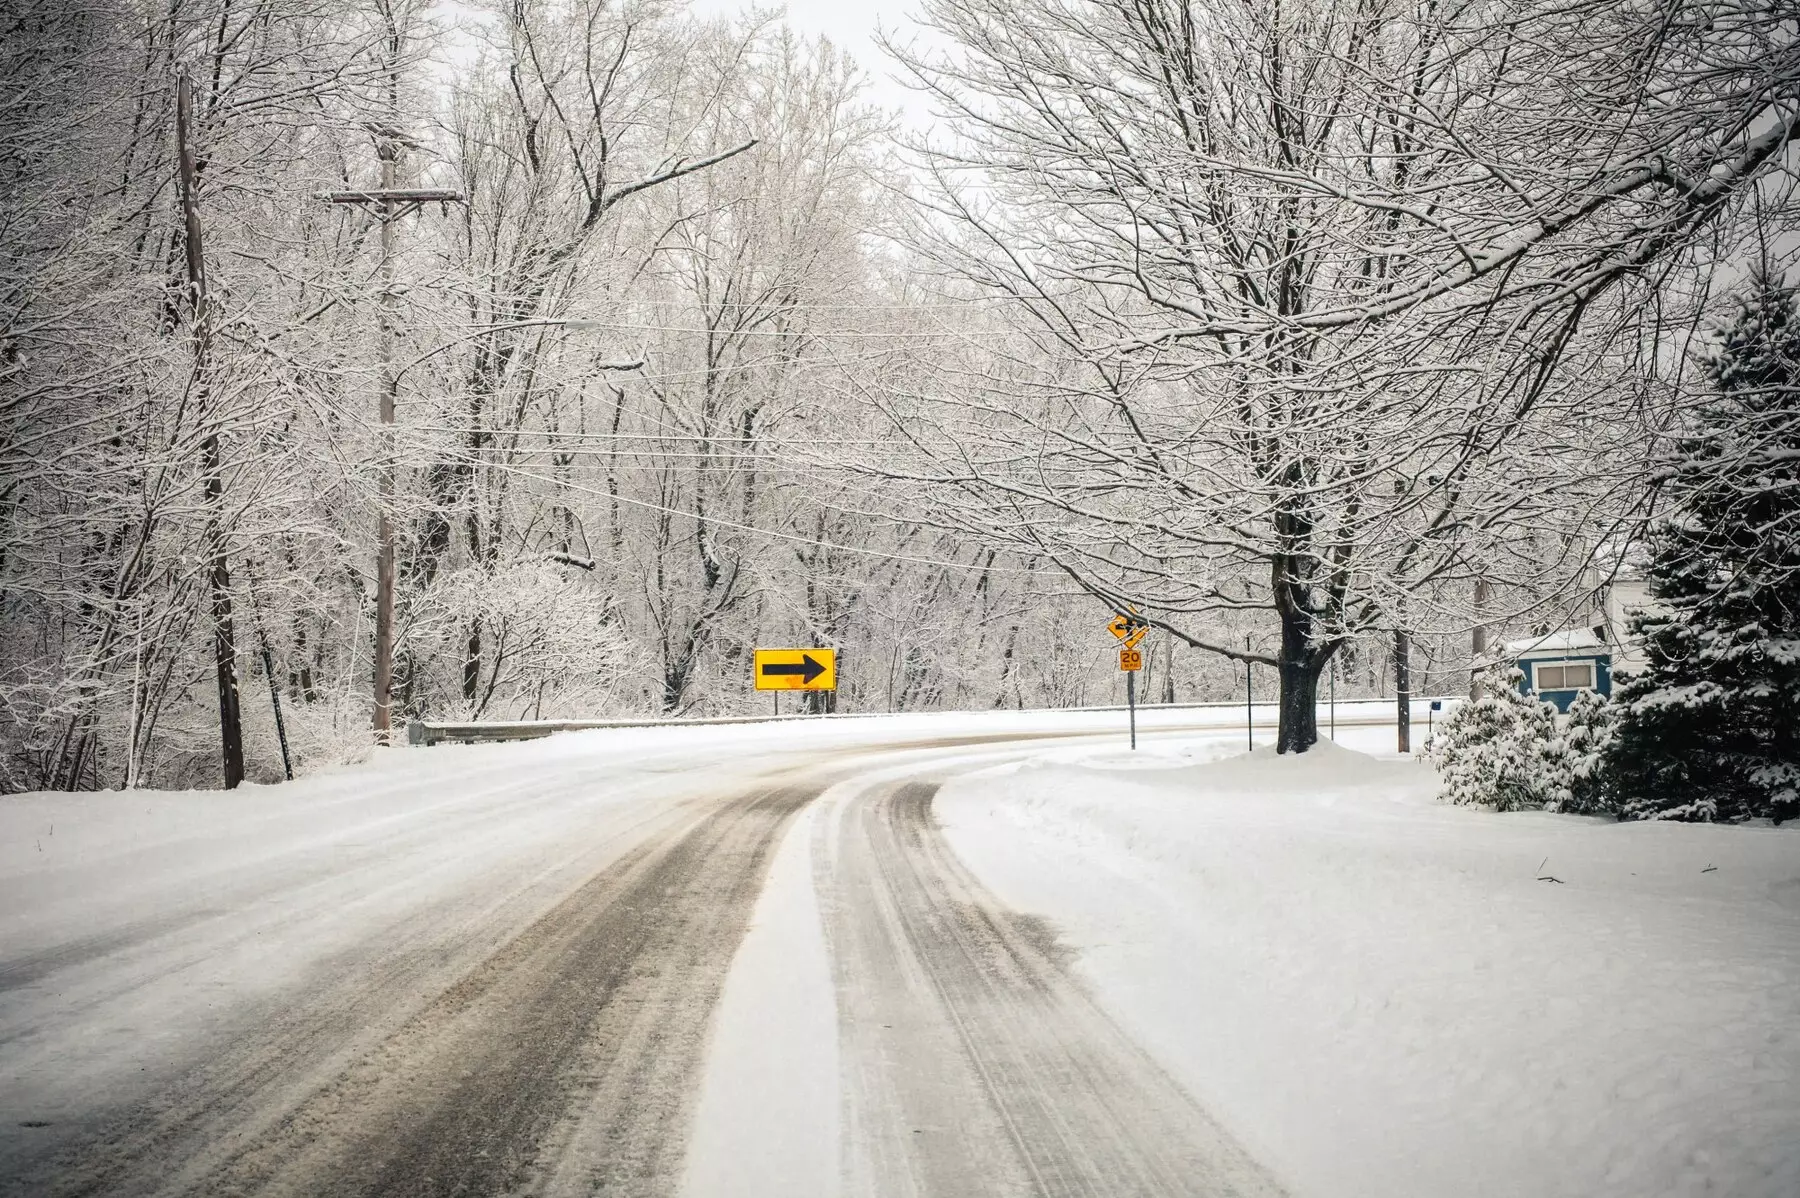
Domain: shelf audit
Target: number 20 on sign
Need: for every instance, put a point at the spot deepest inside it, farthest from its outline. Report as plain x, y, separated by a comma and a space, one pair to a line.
1131, 659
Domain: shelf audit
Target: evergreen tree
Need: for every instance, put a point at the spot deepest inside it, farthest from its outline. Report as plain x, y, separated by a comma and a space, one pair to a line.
1579, 753
1491, 751
1707, 730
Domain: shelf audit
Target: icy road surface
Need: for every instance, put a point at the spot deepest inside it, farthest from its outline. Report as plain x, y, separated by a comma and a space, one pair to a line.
962, 955
493, 970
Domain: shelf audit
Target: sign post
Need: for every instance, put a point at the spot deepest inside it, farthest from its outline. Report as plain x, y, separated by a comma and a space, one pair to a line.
1131, 661
1131, 704
1249, 699
1130, 631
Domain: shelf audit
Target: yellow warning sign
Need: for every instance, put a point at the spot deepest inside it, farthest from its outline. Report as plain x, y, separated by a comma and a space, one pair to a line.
1131, 659
1130, 629
796, 669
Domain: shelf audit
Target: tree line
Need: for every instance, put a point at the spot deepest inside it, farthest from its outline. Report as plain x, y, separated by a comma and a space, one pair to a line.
1322, 333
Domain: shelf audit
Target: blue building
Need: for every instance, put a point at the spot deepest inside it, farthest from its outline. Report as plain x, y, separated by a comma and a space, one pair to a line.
1560, 665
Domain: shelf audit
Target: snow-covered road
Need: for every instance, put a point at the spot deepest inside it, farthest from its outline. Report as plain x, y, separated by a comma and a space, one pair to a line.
468, 969
957, 955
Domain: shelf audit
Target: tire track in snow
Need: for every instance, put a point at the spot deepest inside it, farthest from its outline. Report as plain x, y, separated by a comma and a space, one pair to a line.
563, 1063
975, 1065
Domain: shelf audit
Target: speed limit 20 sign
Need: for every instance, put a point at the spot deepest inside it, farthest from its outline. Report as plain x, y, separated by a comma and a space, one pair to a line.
1131, 659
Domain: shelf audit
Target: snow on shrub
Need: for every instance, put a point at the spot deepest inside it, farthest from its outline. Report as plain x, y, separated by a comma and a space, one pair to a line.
1511, 751
1584, 736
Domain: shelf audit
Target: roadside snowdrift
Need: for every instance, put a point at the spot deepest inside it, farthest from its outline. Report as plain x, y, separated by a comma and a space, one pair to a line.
1386, 996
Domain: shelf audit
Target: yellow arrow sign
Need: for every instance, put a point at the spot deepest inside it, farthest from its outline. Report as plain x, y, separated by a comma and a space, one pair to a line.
796, 669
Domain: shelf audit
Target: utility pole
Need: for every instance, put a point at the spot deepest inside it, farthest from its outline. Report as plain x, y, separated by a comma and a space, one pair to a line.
389, 203
1403, 686
389, 151
1478, 636
231, 728
1168, 678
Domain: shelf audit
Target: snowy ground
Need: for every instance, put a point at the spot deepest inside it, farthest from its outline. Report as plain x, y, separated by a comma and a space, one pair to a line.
1381, 995
1353, 988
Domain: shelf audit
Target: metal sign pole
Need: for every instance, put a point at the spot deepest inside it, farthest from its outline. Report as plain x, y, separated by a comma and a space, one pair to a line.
1249, 699
1131, 705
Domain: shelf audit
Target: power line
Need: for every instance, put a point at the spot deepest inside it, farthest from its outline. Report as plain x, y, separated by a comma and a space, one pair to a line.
773, 534
819, 333
775, 442
838, 480
740, 305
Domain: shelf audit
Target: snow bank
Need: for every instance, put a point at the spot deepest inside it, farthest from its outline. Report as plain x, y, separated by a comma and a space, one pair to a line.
1382, 995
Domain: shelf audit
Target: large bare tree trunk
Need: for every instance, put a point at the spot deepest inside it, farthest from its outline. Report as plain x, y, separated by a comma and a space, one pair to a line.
1299, 700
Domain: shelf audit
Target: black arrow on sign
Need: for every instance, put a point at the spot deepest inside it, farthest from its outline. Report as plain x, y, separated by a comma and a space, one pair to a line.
806, 667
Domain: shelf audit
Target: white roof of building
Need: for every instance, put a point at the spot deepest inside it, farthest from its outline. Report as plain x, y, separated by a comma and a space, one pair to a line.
1569, 640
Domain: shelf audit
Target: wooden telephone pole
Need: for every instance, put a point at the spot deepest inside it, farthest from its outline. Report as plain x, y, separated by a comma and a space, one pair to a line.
231, 727
1403, 687
389, 203
1478, 636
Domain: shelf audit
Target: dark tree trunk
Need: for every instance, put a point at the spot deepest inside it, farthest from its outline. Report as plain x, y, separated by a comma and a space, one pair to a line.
231, 731
231, 725
1299, 707
471, 669
1298, 703
1304, 653
675, 679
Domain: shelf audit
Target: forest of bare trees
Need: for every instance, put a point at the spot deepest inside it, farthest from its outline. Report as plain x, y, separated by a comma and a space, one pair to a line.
625, 340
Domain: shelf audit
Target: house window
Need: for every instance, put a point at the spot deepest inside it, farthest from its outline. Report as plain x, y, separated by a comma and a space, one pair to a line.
1563, 676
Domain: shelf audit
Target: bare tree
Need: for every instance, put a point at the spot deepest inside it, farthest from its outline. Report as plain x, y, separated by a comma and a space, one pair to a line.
1319, 309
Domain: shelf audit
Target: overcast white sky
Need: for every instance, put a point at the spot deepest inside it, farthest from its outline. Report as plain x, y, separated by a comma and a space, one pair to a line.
851, 24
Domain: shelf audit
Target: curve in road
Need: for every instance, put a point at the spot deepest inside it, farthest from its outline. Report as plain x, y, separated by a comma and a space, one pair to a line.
564, 1054
977, 1063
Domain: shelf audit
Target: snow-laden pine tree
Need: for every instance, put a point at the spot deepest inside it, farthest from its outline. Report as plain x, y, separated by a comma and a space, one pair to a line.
1583, 740
1490, 752
1709, 729
1511, 751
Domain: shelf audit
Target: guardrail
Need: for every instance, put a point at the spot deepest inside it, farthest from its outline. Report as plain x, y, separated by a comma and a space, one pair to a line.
431, 732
